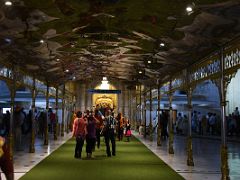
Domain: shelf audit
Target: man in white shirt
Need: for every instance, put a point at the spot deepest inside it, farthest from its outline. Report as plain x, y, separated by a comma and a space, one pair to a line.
236, 112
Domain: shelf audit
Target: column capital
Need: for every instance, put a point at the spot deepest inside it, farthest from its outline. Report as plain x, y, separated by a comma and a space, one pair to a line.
223, 103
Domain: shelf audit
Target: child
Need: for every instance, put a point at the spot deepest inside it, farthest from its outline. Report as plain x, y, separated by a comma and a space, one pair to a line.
128, 132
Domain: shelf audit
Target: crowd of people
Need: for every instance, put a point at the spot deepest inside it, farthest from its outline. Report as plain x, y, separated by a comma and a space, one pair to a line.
91, 125
233, 123
202, 124
209, 124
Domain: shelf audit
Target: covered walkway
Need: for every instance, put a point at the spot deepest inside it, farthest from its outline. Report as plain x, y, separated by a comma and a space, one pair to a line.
169, 67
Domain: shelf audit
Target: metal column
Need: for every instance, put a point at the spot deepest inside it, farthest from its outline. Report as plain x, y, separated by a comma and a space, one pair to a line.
140, 104
224, 152
159, 143
170, 123
150, 124
63, 111
136, 111
145, 116
47, 117
12, 104
189, 143
32, 142
56, 121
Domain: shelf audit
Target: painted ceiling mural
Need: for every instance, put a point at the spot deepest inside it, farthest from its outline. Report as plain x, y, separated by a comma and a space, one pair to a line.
61, 40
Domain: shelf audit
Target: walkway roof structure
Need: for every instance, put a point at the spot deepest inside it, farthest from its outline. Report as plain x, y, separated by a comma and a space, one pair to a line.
83, 40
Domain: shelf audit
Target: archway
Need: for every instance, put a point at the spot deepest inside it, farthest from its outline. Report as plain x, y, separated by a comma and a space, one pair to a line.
106, 100
233, 94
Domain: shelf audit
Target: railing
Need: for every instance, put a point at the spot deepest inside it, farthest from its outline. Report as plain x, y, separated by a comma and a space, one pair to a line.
27, 81
232, 59
208, 69
178, 81
165, 87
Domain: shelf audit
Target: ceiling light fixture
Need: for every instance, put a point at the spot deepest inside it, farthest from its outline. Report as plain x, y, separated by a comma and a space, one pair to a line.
8, 40
149, 62
104, 84
74, 78
162, 44
66, 70
189, 9
58, 59
140, 72
8, 3
41, 41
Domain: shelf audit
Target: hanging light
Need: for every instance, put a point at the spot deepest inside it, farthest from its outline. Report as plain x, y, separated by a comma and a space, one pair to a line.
8, 3
41, 41
189, 9
104, 84
162, 44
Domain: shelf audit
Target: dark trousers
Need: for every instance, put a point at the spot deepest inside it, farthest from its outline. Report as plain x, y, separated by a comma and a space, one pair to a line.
90, 144
109, 136
78, 148
98, 131
120, 134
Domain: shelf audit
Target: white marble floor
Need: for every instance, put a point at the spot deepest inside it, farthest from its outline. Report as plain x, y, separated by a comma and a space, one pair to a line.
206, 155
24, 161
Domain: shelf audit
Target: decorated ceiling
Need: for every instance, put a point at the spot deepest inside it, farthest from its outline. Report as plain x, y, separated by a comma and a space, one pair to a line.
62, 40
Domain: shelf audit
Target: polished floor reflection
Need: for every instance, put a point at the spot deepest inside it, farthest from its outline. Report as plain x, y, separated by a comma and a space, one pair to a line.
206, 155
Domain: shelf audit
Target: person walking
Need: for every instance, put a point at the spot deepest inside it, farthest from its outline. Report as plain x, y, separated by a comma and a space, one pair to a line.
120, 123
79, 132
164, 124
91, 134
99, 126
128, 133
18, 117
109, 126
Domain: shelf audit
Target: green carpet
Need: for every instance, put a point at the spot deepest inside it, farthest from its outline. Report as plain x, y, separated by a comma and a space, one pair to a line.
133, 161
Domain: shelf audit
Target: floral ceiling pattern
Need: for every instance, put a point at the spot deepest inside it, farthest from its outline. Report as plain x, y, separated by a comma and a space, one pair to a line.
61, 40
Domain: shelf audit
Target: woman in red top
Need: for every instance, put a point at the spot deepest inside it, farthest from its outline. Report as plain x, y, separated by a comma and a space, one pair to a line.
79, 132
